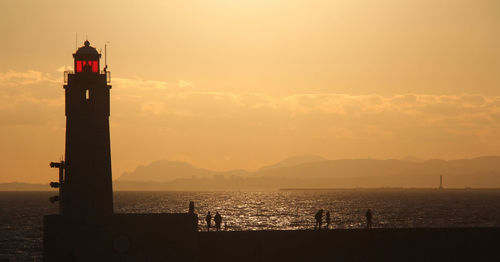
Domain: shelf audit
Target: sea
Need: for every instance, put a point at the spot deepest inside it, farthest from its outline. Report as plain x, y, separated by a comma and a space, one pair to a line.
21, 213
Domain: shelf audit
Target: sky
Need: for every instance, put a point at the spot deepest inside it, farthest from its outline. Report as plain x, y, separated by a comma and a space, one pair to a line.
242, 84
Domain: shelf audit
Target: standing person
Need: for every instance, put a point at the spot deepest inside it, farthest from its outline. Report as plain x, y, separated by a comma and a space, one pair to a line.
191, 207
218, 221
208, 219
319, 219
368, 218
328, 220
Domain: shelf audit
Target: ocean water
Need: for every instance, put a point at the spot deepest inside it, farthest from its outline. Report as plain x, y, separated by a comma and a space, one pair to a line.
21, 213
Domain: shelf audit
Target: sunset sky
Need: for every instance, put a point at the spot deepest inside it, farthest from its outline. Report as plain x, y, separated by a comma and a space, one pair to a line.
245, 83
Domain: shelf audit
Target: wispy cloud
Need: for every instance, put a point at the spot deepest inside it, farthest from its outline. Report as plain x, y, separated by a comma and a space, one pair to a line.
429, 118
29, 77
184, 84
139, 84
458, 122
29, 98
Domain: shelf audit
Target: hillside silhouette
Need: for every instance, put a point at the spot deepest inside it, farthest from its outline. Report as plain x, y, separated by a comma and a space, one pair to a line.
390, 167
165, 170
295, 160
307, 172
316, 172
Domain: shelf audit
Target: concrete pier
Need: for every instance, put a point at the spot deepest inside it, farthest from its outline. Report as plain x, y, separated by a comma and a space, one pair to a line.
174, 237
422, 244
122, 237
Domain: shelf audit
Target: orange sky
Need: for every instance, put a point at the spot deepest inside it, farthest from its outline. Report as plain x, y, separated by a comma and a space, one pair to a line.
241, 84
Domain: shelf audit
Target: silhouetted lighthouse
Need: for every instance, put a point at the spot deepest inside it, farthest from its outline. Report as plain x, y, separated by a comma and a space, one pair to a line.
86, 228
87, 181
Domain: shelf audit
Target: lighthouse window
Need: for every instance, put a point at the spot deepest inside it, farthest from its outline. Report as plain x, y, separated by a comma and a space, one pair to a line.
87, 94
79, 66
93, 64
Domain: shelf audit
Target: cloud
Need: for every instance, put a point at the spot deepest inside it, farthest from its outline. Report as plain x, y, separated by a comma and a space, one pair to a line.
63, 69
184, 84
159, 99
29, 77
139, 84
29, 98
465, 122
429, 118
434, 106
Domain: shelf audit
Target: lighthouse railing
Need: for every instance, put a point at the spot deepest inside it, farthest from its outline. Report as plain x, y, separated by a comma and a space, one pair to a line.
108, 75
71, 72
66, 73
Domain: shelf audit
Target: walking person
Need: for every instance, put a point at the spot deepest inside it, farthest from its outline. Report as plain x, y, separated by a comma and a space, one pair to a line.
319, 219
208, 219
218, 221
328, 220
368, 218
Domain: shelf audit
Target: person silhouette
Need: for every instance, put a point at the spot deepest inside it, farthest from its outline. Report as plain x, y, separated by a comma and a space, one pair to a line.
218, 221
328, 219
319, 219
208, 219
368, 218
191, 207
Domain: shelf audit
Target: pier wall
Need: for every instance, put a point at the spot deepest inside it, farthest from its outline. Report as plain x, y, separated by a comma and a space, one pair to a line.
121, 237
174, 237
422, 244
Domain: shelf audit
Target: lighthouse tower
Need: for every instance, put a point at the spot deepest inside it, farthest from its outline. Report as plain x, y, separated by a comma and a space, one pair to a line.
86, 228
87, 186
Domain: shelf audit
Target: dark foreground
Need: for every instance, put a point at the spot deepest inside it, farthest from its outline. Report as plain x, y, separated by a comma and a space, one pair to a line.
426, 244
174, 237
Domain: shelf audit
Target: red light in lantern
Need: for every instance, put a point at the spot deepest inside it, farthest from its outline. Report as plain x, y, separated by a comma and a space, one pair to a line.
79, 66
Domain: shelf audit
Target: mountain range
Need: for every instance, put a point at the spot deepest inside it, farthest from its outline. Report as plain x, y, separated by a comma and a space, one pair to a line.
309, 171
317, 172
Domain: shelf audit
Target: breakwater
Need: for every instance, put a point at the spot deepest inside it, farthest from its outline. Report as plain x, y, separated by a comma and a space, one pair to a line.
415, 244
174, 237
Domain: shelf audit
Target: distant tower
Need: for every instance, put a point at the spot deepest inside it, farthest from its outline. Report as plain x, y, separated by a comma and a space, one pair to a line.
87, 179
441, 182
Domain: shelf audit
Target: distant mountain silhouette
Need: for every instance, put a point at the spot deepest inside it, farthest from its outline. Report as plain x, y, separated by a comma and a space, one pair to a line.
307, 172
315, 172
295, 160
390, 167
413, 159
165, 170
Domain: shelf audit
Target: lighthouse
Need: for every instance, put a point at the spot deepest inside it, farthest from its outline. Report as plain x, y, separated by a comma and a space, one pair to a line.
86, 186
86, 228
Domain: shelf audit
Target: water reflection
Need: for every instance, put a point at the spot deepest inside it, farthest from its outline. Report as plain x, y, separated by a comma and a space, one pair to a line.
288, 210
21, 213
